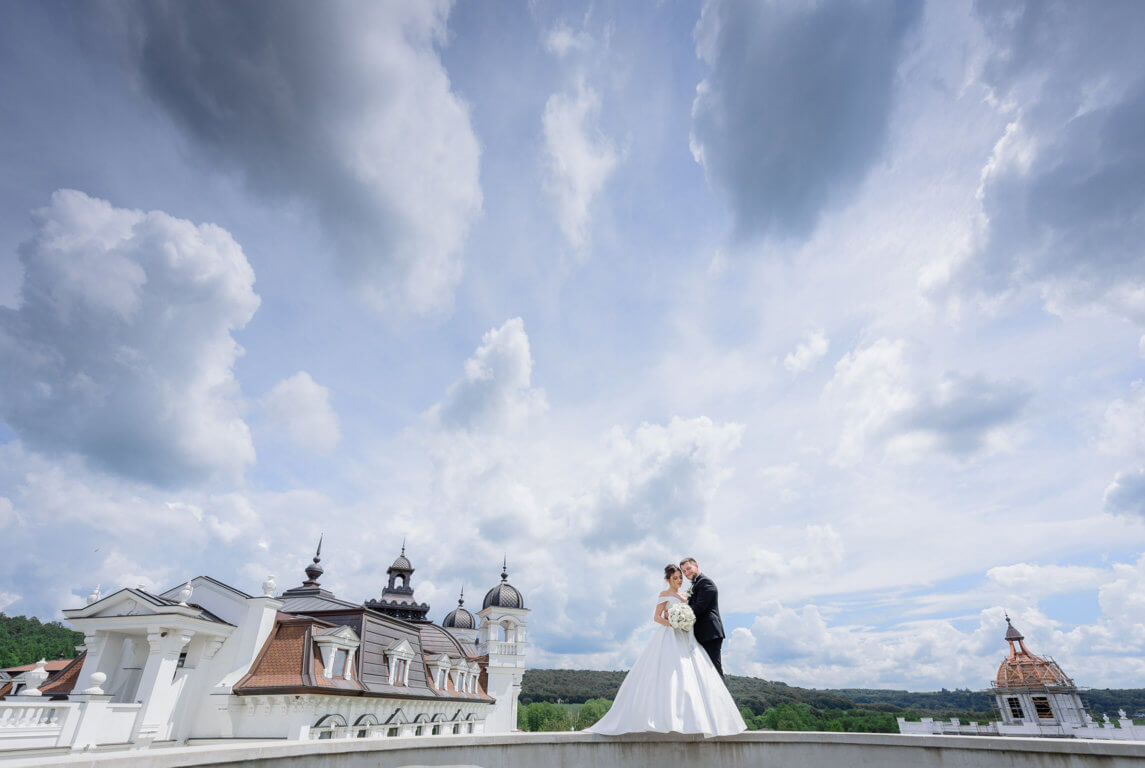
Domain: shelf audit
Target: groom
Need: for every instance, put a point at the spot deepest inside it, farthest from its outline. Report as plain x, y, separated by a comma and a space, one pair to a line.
705, 602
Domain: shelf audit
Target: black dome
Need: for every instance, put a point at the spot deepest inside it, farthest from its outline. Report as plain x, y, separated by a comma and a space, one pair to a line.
504, 595
459, 618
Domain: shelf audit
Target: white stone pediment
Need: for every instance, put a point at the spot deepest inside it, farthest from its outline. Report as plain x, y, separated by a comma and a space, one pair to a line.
121, 603
346, 634
401, 648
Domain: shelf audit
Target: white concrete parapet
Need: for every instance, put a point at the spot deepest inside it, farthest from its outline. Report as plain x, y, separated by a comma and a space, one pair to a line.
776, 749
33, 724
86, 721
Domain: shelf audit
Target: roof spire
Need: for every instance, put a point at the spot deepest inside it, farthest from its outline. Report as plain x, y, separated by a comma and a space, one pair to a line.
403, 546
314, 570
504, 569
461, 599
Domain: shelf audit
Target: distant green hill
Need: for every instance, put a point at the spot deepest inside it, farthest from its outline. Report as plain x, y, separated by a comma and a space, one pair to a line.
574, 686
26, 640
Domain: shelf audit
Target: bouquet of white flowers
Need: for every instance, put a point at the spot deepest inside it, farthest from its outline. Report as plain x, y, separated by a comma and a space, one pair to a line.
681, 617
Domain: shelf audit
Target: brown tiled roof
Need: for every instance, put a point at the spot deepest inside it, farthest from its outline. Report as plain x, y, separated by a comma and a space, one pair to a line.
5, 688
289, 658
65, 681
55, 665
281, 660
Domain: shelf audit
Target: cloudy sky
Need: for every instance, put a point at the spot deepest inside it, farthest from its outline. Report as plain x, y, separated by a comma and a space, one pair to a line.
847, 300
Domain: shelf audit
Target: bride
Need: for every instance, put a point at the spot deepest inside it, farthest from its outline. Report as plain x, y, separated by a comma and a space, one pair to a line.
673, 686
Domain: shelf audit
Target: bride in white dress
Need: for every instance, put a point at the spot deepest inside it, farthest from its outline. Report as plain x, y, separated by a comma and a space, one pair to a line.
673, 686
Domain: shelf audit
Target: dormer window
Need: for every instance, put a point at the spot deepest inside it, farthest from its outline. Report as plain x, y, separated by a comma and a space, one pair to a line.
441, 667
399, 655
337, 646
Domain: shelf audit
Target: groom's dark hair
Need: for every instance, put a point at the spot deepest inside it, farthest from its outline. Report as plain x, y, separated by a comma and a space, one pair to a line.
691, 560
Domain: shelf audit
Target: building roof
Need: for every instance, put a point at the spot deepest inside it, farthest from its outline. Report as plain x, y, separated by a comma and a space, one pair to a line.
216, 582
65, 680
289, 661
55, 665
196, 611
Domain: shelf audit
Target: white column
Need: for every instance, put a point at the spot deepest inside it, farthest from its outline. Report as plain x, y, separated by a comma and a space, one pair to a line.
155, 687
94, 645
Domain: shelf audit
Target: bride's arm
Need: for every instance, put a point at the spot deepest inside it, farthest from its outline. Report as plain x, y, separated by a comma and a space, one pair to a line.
661, 614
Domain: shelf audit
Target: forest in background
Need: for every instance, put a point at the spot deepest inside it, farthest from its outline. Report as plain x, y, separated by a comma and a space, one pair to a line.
26, 640
804, 706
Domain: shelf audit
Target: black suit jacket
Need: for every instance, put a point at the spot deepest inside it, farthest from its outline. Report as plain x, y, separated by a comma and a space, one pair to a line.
705, 602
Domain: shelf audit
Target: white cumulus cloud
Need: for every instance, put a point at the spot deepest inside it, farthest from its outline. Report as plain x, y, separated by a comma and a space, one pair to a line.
881, 401
581, 159
784, 76
346, 107
301, 407
807, 353
496, 389
1123, 429
121, 350
1063, 196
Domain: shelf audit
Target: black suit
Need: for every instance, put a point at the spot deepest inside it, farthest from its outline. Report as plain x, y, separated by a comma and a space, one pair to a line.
708, 629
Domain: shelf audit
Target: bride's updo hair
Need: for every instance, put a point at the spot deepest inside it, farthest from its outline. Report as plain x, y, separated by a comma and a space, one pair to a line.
670, 570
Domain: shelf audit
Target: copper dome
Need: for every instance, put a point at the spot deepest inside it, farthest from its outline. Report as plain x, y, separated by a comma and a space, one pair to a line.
1022, 669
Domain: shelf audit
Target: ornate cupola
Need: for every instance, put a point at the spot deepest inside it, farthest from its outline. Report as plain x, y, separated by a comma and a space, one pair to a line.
1031, 690
1022, 669
501, 638
397, 599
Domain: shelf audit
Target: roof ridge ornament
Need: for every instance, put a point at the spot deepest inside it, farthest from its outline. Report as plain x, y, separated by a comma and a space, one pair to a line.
314, 570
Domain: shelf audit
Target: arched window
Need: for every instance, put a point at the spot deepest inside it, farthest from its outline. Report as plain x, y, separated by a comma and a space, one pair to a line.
362, 725
326, 726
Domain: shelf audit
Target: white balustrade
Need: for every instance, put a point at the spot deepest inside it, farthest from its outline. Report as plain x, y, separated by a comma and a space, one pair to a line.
29, 715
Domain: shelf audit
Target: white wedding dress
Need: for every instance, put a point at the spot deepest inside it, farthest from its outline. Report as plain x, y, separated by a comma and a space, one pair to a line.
672, 687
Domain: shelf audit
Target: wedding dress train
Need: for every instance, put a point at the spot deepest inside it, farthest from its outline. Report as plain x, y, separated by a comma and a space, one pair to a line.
672, 687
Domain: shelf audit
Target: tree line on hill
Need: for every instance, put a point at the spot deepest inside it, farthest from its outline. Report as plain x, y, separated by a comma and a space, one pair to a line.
778, 706
25, 640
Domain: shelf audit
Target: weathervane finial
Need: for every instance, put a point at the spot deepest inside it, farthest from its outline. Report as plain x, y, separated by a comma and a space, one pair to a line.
314, 570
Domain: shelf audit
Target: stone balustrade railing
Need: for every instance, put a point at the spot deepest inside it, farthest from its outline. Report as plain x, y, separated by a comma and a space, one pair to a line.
37, 714
41, 724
